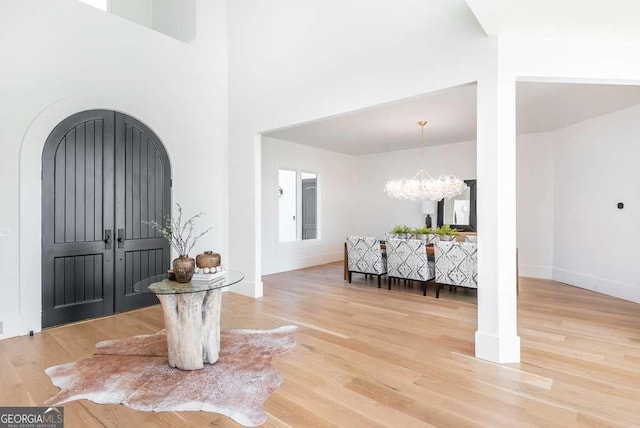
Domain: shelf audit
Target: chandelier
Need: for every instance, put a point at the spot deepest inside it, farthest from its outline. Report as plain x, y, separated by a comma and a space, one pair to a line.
423, 186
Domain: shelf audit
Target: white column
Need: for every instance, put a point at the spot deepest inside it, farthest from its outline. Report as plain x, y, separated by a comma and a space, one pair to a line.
496, 338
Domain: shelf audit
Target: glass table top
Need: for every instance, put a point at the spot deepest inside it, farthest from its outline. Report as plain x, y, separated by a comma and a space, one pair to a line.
159, 284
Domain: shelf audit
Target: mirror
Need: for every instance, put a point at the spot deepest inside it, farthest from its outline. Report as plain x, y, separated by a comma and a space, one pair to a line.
460, 211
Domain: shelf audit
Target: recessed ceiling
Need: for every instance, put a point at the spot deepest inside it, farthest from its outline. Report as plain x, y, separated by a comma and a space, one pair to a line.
451, 113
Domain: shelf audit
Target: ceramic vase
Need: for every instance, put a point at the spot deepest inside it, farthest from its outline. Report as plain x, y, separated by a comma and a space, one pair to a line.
208, 259
183, 268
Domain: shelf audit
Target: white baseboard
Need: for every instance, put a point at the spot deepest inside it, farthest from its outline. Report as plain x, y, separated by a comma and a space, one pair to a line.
497, 349
13, 324
247, 288
284, 264
620, 290
534, 271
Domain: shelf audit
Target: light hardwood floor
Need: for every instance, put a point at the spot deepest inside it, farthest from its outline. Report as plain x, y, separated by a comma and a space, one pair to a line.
373, 357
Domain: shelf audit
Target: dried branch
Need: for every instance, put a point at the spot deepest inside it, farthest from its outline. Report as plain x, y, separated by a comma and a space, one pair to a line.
179, 233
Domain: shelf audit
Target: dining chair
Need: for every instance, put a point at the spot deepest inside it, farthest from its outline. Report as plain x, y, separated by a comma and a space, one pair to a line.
365, 256
456, 264
407, 259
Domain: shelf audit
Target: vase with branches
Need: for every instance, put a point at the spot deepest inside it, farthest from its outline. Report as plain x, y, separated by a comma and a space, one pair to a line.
180, 235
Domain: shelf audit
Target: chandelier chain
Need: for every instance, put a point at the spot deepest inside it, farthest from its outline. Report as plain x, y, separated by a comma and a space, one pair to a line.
422, 161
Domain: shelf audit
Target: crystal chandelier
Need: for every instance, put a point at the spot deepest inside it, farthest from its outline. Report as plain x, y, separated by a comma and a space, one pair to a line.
422, 186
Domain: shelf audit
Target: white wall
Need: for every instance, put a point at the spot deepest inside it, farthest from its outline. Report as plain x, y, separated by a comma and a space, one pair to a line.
138, 11
335, 184
535, 206
373, 213
176, 18
565, 58
376, 213
68, 57
303, 61
569, 183
596, 164
335, 202
352, 201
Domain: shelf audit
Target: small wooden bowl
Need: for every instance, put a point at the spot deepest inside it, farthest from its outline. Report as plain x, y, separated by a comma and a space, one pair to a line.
170, 275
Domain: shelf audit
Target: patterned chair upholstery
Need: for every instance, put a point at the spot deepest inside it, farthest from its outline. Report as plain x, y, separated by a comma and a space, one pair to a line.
456, 264
365, 256
471, 238
407, 259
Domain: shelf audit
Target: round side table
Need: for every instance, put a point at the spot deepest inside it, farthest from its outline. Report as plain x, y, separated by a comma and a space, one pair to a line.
191, 317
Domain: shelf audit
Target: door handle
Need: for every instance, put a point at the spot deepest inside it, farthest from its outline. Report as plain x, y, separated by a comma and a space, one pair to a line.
107, 239
121, 238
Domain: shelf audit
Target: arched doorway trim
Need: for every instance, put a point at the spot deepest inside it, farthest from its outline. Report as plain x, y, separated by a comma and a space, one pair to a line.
30, 195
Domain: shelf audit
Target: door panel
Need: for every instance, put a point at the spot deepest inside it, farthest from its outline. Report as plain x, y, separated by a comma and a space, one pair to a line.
77, 268
143, 186
142, 264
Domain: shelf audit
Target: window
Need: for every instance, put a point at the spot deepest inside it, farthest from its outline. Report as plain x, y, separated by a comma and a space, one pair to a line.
297, 205
100, 4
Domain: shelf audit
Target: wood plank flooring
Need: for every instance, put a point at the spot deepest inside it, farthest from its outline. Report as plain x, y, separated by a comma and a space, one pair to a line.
373, 357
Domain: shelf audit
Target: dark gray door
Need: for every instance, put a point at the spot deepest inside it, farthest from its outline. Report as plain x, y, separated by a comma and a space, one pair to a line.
142, 195
309, 208
88, 164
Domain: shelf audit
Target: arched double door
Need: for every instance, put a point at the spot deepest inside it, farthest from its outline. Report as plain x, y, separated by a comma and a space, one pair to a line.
105, 174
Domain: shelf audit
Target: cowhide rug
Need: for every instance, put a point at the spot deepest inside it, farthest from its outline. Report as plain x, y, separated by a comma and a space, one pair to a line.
135, 372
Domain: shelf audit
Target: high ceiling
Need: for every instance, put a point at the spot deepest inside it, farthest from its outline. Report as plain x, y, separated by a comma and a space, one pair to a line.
618, 18
451, 113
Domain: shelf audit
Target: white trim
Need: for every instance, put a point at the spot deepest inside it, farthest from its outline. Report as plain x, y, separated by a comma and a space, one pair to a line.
497, 348
247, 288
535, 271
11, 321
286, 264
292, 245
253, 288
620, 290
